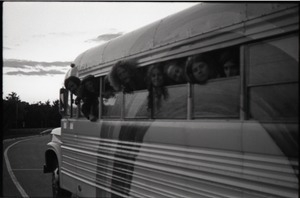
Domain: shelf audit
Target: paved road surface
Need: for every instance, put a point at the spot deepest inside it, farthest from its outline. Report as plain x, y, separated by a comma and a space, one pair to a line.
26, 160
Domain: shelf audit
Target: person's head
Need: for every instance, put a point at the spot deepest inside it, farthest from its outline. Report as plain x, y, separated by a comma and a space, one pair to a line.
72, 84
229, 62
199, 68
230, 68
155, 82
155, 76
122, 74
175, 71
89, 83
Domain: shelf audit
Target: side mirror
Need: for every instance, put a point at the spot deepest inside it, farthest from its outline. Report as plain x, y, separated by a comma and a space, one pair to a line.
63, 101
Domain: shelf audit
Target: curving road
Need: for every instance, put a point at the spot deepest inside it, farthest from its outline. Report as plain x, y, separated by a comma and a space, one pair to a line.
23, 162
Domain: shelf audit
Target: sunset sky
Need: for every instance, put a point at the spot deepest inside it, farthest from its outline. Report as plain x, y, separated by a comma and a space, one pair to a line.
41, 39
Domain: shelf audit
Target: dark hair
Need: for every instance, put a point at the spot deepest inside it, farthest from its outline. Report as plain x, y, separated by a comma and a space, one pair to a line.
177, 63
151, 88
199, 58
149, 73
229, 55
75, 79
88, 78
114, 79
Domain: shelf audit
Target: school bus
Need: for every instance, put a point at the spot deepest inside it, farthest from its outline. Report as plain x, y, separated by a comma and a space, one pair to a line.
230, 137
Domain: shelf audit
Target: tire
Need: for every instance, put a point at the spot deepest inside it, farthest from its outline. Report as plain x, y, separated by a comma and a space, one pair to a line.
58, 192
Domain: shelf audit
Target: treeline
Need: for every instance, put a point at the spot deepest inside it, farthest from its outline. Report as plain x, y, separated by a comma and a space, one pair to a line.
19, 114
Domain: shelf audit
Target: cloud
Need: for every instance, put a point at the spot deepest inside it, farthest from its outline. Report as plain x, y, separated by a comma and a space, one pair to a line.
6, 48
26, 67
15, 63
105, 37
40, 72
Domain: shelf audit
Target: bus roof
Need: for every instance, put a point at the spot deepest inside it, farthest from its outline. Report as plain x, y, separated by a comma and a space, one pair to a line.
171, 32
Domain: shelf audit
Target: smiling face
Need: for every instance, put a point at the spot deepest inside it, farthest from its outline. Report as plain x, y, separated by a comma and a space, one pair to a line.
200, 71
157, 77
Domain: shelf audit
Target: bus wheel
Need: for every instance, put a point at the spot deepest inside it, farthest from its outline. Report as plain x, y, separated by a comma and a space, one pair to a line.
56, 190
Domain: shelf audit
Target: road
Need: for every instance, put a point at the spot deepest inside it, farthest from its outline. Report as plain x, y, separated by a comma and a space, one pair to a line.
26, 159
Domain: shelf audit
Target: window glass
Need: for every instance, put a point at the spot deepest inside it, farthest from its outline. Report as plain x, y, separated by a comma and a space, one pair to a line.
217, 98
81, 115
63, 101
274, 61
111, 107
74, 107
136, 105
68, 109
175, 106
276, 102
273, 79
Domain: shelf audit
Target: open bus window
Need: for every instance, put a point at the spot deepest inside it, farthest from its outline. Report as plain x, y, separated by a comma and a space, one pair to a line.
273, 79
175, 71
174, 106
217, 98
228, 62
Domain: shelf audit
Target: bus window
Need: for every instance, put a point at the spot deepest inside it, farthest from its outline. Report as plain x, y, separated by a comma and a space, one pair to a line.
175, 106
74, 107
70, 110
89, 97
136, 105
63, 101
175, 71
274, 102
217, 98
111, 107
228, 62
111, 101
273, 79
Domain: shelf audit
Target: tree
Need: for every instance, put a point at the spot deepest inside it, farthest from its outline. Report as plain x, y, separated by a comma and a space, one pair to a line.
20, 114
13, 111
13, 97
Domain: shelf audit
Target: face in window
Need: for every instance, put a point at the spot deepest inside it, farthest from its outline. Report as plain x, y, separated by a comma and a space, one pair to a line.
157, 78
175, 73
123, 75
89, 85
230, 69
72, 87
200, 71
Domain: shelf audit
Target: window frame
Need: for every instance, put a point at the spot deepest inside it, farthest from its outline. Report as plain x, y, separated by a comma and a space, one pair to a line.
245, 101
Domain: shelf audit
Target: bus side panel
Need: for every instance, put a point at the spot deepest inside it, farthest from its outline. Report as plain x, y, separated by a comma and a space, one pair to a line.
211, 159
68, 156
120, 157
176, 159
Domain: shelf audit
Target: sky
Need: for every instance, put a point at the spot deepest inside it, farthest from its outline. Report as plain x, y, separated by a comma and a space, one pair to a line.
41, 39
